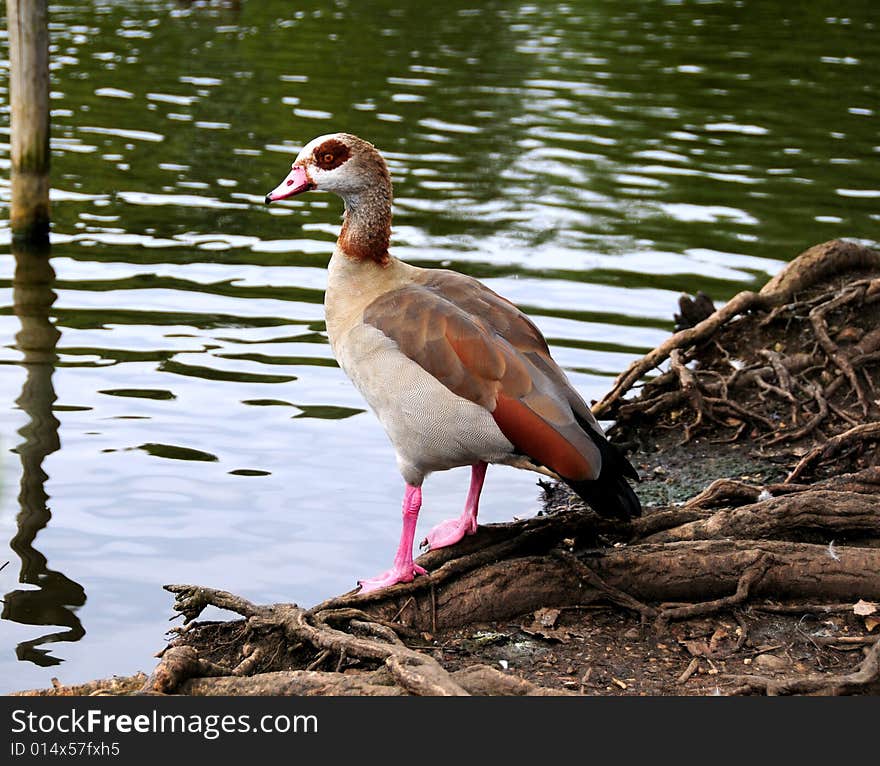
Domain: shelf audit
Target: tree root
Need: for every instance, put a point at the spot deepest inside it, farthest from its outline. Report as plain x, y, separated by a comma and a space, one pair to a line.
117, 686
730, 492
864, 679
373, 659
811, 267
820, 513
750, 576
400, 670
706, 367
674, 571
300, 683
179, 663
614, 595
820, 327
474, 680
856, 434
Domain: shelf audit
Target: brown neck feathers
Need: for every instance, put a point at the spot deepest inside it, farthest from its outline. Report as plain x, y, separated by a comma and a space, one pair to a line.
366, 228
366, 237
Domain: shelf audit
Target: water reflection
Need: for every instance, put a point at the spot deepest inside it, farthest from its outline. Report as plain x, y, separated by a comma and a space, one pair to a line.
52, 598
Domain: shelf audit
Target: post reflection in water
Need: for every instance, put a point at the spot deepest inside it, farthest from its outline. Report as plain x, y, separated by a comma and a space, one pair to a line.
55, 598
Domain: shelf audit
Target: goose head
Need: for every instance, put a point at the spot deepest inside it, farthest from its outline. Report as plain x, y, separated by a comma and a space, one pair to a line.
337, 162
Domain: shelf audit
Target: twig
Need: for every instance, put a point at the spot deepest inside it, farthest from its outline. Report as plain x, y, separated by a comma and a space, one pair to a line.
688, 671
585, 678
820, 327
743, 631
854, 642
410, 600
802, 608
319, 660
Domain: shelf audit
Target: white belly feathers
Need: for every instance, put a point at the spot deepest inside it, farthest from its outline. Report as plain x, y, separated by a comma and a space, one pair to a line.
431, 428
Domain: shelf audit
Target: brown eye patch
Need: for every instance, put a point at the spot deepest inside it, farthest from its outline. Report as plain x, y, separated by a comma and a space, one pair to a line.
331, 154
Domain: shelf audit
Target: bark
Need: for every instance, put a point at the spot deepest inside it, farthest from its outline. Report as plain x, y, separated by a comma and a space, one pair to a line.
822, 513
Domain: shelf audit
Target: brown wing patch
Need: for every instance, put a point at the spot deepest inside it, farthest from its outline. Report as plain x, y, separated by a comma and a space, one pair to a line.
475, 299
473, 348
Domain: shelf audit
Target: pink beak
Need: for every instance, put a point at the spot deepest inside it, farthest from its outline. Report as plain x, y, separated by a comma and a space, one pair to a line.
296, 182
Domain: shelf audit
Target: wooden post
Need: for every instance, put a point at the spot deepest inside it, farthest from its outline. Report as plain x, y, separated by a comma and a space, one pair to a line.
28, 25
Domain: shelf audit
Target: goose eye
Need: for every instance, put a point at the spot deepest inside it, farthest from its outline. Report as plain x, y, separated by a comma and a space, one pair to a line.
331, 154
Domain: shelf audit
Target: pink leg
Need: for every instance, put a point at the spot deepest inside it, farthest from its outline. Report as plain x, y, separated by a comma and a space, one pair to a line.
403, 569
451, 531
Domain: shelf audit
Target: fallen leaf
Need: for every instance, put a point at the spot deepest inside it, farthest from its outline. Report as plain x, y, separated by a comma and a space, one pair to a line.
871, 623
864, 608
696, 647
717, 639
771, 662
544, 624
547, 617
850, 335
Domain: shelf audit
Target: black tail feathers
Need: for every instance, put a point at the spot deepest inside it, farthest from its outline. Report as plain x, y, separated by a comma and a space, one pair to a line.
609, 494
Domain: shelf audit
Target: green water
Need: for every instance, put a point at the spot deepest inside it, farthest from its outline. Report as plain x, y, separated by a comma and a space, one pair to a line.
588, 160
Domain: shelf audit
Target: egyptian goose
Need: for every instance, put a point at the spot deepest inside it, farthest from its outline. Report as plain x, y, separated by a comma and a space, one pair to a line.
457, 375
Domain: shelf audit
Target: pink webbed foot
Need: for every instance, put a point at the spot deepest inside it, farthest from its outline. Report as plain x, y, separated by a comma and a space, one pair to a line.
403, 569
391, 577
449, 532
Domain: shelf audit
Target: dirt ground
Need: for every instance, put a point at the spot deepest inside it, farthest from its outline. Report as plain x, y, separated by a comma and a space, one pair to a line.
602, 651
